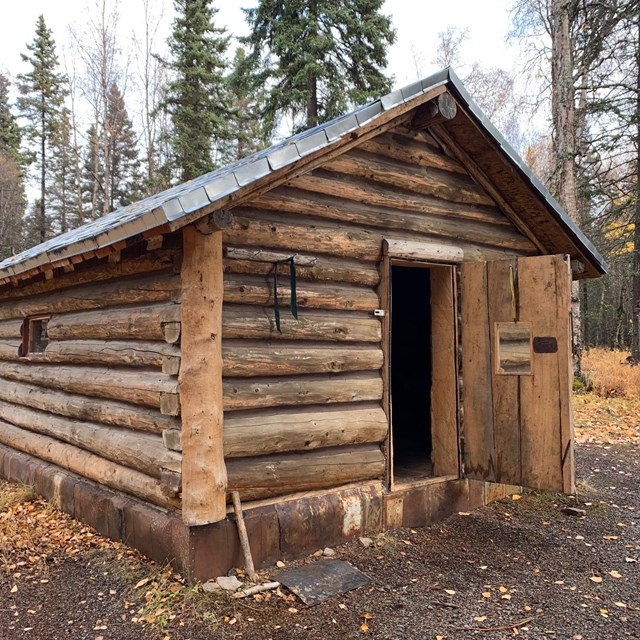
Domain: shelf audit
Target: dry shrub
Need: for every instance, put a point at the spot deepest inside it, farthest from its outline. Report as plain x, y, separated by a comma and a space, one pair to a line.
610, 374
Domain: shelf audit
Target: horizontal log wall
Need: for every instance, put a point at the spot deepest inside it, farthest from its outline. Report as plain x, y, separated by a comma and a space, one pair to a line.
303, 407
93, 401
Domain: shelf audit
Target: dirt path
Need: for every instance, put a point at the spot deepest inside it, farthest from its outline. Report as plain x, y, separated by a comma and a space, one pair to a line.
518, 567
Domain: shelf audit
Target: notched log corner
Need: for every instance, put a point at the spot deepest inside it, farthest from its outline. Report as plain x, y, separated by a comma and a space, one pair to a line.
170, 483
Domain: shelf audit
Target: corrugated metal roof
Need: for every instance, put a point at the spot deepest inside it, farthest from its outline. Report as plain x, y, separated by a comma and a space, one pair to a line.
170, 206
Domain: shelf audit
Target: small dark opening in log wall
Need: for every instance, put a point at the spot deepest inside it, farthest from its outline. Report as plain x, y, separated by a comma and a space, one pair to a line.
411, 371
34, 335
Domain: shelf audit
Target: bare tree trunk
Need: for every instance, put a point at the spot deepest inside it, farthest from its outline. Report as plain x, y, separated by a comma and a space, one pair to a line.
565, 125
635, 299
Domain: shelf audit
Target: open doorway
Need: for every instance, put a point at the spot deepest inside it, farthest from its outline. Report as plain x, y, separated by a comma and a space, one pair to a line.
411, 372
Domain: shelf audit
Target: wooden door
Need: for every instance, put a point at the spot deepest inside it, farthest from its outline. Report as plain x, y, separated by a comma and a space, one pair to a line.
517, 425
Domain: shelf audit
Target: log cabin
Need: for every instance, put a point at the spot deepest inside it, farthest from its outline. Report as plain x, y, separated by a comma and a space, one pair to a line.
364, 327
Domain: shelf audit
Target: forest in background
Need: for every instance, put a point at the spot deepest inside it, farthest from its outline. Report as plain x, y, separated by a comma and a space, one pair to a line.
204, 99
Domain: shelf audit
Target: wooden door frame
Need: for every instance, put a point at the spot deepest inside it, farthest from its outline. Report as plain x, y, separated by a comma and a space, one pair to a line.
432, 257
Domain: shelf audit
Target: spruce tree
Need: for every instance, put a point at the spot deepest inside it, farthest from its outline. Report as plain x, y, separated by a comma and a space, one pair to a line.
12, 161
10, 134
318, 56
62, 186
112, 177
124, 167
196, 98
93, 179
248, 133
12, 205
43, 90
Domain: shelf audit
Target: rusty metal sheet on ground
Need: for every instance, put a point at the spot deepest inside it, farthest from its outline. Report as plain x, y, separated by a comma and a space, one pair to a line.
316, 582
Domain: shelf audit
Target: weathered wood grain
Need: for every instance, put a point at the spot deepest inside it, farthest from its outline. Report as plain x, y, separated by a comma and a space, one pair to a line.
246, 289
251, 358
373, 195
397, 147
444, 373
285, 231
540, 393
476, 373
245, 321
268, 476
155, 287
250, 393
134, 353
440, 184
141, 451
258, 261
204, 476
504, 388
86, 464
85, 408
257, 433
142, 322
126, 385
349, 205
158, 260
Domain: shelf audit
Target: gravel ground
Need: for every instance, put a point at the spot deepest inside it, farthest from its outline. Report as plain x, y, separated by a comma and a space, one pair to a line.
517, 567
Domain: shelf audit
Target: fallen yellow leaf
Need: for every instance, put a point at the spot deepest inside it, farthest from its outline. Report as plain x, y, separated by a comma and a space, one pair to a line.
451, 592
615, 574
503, 589
367, 616
486, 594
480, 618
516, 496
596, 579
364, 627
14, 588
506, 596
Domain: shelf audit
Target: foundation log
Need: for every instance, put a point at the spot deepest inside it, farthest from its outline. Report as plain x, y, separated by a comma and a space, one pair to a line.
141, 451
268, 476
85, 464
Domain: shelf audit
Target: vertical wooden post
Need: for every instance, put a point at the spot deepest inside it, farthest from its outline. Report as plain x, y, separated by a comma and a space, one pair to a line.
204, 475
384, 290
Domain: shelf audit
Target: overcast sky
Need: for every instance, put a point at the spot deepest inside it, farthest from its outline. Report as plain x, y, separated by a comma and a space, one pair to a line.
417, 24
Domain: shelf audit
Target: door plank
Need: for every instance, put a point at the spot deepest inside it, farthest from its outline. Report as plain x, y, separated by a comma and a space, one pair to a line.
563, 308
540, 392
477, 403
444, 399
505, 388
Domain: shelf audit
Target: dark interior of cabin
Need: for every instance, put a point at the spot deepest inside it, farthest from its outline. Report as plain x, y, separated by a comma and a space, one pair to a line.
411, 372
